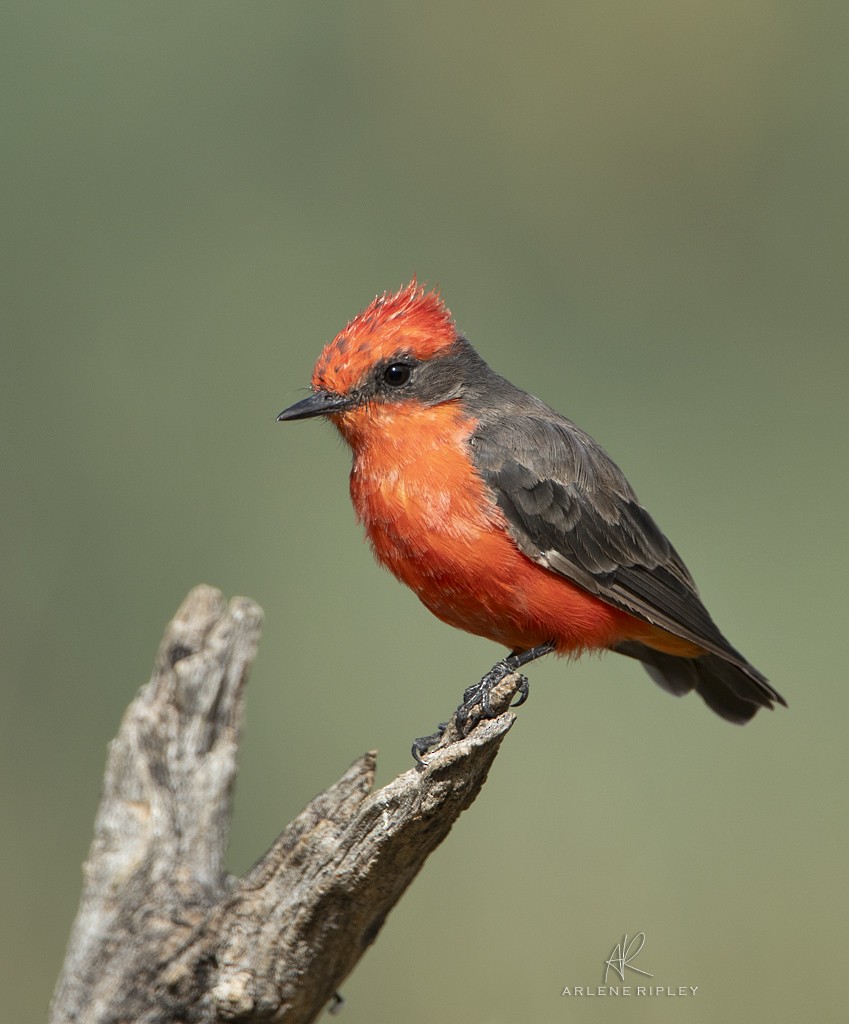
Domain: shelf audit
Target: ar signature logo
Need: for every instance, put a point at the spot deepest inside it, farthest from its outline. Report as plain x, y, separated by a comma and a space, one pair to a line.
623, 953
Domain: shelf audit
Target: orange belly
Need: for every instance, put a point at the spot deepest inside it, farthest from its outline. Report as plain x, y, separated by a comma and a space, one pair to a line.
435, 525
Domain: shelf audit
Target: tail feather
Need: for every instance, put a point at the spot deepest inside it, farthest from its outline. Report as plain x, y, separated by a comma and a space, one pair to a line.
734, 693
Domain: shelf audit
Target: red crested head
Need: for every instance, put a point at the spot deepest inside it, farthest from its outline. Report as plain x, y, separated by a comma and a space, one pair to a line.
412, 321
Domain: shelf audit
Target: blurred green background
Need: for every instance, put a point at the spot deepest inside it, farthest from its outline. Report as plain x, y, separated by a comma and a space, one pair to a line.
637, 211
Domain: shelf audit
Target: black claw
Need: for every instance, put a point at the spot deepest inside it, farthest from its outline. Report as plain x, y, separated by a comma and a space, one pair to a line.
522, 691
423, 744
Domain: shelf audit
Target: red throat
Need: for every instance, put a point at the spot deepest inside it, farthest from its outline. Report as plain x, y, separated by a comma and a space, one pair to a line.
413, 319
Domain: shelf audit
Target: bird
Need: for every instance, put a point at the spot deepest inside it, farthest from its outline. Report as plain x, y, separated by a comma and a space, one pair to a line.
505, 518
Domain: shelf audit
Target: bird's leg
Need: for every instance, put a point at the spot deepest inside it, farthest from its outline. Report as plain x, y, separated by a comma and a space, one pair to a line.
476, 700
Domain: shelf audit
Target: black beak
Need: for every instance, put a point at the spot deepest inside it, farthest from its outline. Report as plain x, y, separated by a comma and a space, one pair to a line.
319, 403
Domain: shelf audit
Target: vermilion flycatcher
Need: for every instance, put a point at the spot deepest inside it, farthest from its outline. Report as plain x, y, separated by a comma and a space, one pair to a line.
505, 518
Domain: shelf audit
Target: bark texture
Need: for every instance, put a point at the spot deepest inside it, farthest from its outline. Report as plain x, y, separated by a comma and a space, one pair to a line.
163, 933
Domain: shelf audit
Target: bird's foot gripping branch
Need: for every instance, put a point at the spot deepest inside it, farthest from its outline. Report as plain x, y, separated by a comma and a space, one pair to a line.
500, 689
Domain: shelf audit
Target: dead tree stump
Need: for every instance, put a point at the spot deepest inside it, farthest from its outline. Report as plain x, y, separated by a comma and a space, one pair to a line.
163, 934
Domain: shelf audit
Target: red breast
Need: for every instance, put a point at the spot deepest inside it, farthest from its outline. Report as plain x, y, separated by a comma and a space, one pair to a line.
434, 524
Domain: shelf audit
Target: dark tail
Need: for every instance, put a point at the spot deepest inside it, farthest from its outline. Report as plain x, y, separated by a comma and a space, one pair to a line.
734, 692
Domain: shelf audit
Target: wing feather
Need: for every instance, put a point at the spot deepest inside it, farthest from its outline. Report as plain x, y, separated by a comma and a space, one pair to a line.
570, 508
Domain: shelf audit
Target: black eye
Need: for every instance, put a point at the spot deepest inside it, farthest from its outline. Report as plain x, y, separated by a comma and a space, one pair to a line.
397, 374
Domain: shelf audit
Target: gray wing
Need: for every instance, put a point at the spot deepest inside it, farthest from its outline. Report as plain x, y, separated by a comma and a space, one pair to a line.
570, 509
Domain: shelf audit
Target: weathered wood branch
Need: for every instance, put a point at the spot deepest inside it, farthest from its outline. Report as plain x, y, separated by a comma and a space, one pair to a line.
163, 933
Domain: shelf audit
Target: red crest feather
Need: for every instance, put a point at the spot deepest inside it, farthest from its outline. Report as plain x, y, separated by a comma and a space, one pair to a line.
412, 321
